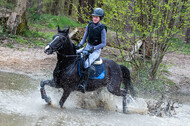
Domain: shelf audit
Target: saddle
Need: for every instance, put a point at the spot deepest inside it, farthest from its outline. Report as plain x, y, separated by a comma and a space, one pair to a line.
97, 69
98, 61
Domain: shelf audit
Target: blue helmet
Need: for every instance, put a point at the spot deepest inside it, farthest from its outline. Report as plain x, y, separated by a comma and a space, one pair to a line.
98, 12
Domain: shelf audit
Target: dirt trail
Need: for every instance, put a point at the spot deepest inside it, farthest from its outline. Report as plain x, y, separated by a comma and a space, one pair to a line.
26, 60
179, 70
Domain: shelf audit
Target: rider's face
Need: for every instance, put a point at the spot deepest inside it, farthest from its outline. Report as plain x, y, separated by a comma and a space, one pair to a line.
96, 19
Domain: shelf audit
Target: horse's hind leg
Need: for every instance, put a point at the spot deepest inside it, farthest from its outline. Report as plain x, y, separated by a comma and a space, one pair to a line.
127, 80
42, 89
114, 88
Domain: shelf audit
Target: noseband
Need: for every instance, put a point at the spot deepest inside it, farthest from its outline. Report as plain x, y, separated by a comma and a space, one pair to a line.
61, 39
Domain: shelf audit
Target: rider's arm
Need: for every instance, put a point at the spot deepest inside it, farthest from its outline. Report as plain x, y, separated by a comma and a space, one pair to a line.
85, 36
103, 39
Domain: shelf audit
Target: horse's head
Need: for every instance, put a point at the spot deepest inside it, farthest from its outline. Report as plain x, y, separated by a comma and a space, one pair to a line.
57, 42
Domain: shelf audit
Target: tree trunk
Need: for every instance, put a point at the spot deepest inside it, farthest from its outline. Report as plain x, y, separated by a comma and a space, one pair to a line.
91, 4
88, 5
70, 7
17, 20
48, 7
188, 36
66, 7
39, 6
81, 4
29, 4
55, 7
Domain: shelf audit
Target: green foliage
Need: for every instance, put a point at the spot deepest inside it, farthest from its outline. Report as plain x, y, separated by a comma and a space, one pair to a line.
161, 85
127, 64
50, 21
10, 45
7, 4
38, 43
40, 32
154, 22
179, 46
20, 40
29, 38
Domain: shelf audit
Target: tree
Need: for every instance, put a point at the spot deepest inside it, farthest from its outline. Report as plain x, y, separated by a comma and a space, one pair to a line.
152, 21
39, 6
70, 7
17, 21
54, 9
85, 9
188, 36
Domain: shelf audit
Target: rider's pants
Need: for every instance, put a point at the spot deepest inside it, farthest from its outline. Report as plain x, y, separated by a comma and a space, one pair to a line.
92, 57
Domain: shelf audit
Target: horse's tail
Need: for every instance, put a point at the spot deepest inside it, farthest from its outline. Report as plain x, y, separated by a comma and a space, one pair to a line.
127, 80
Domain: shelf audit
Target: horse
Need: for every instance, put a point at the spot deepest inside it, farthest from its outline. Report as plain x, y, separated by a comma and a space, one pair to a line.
66, 75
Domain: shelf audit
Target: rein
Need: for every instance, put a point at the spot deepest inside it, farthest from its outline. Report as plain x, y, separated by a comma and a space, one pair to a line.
62, 36
67, 55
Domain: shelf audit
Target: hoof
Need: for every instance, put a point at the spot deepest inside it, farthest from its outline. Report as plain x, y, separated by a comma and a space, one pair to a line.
42, 84
61, 106
48, 100
124, 104
82, 88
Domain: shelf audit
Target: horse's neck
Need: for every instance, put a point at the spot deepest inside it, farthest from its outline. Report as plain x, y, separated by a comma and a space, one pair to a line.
64, 60
66, 56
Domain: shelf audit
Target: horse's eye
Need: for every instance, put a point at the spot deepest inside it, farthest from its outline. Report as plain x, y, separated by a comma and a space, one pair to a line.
54, 37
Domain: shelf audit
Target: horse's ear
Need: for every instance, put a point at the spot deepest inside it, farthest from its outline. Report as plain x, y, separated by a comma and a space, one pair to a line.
67, 31
58, 28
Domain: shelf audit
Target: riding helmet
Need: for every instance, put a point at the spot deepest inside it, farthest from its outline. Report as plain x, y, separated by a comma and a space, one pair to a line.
98, 12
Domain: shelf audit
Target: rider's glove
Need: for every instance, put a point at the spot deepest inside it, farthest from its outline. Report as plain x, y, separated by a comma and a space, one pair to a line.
91, 50
78, 46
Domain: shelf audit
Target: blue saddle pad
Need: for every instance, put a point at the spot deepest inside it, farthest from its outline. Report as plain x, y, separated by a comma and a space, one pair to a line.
98, 74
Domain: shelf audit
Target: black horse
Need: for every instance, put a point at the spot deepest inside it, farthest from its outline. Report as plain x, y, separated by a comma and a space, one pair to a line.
66, 75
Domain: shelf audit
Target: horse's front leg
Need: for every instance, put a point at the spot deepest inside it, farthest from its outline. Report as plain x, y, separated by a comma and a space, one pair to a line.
64, 97
42, 89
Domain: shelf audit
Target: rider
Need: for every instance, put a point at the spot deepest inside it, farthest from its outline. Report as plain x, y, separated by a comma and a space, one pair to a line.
96, 34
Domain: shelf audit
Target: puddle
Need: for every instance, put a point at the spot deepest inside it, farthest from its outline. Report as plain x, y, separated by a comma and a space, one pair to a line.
21, 105
19, 82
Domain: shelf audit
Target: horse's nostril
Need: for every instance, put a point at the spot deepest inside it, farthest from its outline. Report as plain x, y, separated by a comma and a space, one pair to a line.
45, 51
47, 47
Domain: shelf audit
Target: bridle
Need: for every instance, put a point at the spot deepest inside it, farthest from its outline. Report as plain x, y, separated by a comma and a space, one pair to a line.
61, 39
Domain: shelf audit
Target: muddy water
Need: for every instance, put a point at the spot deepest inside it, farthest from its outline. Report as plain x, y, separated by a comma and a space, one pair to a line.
21, 105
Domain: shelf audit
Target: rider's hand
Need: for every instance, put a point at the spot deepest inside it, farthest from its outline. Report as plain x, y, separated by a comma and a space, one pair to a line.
78, 46
91, 50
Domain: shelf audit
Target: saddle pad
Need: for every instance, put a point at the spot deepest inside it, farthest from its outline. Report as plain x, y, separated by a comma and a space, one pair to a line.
99, 71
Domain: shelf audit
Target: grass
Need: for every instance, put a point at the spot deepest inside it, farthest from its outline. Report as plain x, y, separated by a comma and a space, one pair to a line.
179, 46
47, 21
159, 85
42, 29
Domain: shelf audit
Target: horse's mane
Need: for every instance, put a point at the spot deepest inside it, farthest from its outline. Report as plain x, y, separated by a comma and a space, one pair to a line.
72, 66
73, 45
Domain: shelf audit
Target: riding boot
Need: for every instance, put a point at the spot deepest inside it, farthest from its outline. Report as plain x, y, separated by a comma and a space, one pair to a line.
83, 81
